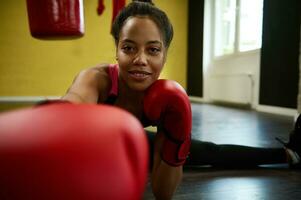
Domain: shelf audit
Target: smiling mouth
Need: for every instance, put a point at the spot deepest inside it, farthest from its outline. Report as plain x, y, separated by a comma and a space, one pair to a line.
139, 74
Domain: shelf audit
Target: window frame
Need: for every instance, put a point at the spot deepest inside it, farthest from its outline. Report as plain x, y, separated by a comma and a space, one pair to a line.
236, 51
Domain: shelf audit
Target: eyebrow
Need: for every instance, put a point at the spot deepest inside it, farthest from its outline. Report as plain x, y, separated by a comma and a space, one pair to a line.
149, 42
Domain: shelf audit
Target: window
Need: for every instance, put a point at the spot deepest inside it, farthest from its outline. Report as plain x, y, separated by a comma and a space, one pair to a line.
238, 26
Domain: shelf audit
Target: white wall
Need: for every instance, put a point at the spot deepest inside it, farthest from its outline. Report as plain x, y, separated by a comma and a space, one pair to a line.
245, 66
239, 64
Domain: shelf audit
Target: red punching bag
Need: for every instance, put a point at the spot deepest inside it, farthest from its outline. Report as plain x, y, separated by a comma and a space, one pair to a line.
117, 6
56, 19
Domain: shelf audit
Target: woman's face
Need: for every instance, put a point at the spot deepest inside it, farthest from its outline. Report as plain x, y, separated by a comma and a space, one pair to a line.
140, 53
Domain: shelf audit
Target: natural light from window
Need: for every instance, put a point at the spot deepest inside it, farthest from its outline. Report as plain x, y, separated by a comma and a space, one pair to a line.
238, 26
250, 29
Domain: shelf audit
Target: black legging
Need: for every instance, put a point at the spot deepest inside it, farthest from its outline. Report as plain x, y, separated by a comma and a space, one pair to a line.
208, 153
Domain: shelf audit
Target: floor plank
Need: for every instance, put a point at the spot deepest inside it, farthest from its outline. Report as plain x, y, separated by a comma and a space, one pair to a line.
226, 125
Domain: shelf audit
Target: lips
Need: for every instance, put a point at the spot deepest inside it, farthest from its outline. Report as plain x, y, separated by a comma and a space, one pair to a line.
139, 74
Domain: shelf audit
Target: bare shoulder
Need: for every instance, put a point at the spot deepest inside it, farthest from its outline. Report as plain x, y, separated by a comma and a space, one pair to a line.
103, 67
99, 71
90, 84
96, 76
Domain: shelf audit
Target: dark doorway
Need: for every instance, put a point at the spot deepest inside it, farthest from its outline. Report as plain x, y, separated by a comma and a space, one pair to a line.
195, 48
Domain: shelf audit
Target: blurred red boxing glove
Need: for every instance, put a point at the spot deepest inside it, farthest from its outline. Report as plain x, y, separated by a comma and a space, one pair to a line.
167, 105
66, 151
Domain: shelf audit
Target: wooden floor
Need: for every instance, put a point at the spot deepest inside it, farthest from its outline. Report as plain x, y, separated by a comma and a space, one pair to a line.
245, 127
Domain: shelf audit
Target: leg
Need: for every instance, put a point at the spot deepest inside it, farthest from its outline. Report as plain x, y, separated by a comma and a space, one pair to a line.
293, 147
208, 153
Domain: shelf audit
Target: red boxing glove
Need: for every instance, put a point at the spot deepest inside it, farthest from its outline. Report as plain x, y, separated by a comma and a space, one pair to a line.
66, 151
167, 104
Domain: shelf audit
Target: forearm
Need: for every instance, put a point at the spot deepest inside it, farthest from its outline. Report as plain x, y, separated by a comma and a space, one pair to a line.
165, 179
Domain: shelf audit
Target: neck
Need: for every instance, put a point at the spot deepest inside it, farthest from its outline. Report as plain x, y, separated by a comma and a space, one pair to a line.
129, 96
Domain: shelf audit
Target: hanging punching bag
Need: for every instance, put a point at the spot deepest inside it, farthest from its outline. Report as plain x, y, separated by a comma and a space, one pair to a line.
56, 19
117, 6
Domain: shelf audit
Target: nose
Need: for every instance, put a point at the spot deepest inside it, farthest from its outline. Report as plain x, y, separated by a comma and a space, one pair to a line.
140, 58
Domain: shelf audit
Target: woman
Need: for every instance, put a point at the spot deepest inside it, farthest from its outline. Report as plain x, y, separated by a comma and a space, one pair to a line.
142, 35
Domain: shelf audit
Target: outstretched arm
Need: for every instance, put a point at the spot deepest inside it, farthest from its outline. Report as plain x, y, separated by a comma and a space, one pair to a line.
87, 85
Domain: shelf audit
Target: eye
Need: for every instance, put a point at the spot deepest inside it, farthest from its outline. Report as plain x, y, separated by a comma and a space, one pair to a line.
128, 49
154, 50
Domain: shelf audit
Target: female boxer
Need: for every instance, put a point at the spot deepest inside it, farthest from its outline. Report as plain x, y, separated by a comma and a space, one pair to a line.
142, 35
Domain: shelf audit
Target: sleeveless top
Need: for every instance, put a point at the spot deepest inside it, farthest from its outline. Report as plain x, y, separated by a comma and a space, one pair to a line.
113, 93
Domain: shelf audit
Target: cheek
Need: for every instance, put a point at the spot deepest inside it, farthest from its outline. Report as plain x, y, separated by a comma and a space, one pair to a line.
159, 64
118, 54
122, 59
159, 67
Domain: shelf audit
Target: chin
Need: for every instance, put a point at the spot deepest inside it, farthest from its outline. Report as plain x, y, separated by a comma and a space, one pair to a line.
139, 86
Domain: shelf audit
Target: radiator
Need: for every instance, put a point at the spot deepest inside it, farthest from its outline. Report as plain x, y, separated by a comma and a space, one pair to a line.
231, 88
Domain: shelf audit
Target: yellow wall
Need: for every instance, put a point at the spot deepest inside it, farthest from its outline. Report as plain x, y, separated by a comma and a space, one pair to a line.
31, 67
